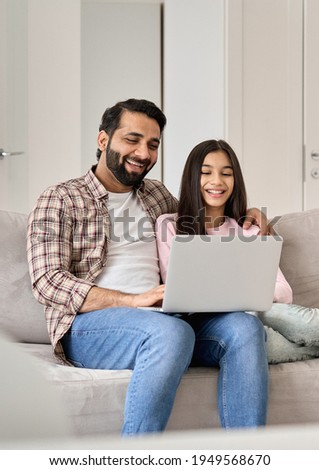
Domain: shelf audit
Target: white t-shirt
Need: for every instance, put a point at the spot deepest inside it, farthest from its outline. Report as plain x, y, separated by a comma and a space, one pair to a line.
132, 260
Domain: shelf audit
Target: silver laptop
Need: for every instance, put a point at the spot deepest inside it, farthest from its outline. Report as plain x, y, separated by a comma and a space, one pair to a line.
221, 273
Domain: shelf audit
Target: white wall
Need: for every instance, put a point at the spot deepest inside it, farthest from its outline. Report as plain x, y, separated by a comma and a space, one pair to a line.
40, 97
203, 85
193, 74
120, 59
50, 80
194, 77
13, 105
265, 99
311, 104
54, 93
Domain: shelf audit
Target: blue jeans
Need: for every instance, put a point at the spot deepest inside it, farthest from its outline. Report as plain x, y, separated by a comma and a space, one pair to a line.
159, 348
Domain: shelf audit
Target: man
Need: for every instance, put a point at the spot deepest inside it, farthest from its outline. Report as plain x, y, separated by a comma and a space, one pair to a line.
93, 262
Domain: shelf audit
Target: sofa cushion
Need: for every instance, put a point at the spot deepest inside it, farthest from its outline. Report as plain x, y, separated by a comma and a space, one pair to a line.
94, 399
30, 410
21, 316
300, 255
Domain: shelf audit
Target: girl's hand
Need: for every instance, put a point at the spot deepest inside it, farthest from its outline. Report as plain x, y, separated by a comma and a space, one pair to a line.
255, 217
149, 298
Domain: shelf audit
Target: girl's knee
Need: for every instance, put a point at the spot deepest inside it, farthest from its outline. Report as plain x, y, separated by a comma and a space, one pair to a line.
248, 320
248, 327
178, 336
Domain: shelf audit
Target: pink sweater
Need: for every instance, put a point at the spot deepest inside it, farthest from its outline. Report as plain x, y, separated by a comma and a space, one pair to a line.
166, 229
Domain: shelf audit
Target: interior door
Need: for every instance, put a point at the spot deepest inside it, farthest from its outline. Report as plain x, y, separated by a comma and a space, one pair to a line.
13, 105
311, 105
265, 105
62, 63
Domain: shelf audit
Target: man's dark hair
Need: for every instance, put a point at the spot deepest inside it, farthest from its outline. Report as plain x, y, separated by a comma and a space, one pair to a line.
112, 116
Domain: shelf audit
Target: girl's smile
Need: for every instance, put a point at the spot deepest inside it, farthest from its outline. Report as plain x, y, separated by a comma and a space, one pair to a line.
217, 182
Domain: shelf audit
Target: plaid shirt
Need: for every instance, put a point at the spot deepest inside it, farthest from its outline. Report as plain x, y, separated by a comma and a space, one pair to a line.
67, 244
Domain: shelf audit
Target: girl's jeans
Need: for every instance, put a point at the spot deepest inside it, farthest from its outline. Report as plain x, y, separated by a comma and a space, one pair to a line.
160, 347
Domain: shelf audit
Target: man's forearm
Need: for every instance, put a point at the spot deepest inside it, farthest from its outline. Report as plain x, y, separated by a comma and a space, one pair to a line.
99, 298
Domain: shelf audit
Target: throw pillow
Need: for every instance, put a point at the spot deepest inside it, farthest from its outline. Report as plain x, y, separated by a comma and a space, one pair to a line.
300, 255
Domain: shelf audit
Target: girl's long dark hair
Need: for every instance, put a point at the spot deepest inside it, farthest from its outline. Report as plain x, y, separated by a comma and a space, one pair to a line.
191, 210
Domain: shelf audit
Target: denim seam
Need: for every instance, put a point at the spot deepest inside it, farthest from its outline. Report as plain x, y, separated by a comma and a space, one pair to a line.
224, 400
108, 330
132, 396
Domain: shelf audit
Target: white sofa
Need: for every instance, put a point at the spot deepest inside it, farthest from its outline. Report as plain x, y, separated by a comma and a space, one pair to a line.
94, 399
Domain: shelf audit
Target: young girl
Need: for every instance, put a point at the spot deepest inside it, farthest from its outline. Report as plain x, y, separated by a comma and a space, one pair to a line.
213, 201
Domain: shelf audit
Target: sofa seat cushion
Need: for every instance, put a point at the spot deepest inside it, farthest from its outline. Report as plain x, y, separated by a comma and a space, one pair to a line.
30, 409
293, 392
94, 399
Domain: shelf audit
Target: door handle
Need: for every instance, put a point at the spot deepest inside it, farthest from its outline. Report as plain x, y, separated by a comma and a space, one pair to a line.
315, 173
3, 154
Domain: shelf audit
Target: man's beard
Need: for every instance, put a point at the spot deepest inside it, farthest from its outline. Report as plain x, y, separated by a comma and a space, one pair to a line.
119, 171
